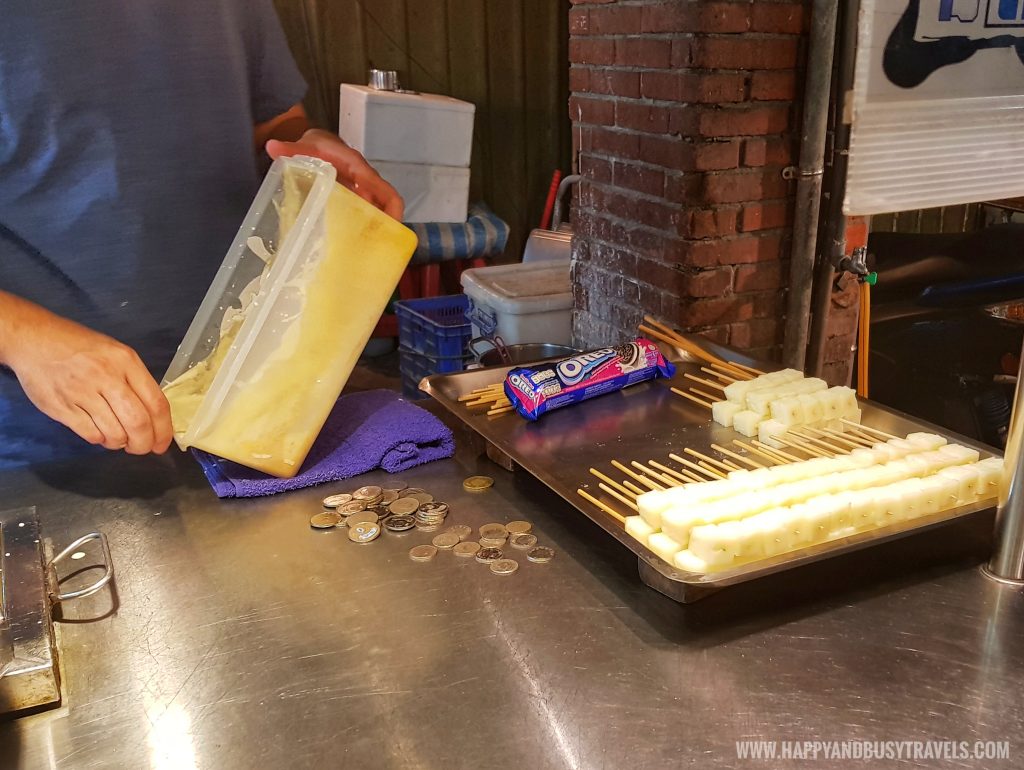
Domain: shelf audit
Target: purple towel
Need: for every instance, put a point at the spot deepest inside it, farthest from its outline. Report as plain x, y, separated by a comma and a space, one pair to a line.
364, 431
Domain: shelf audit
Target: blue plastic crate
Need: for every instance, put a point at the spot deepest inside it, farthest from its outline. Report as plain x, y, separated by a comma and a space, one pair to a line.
415, 367
435, 326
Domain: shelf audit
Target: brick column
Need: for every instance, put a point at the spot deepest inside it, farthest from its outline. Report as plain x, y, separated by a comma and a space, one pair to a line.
685, 114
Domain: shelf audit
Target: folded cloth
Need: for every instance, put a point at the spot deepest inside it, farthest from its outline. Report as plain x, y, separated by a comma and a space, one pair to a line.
364, 431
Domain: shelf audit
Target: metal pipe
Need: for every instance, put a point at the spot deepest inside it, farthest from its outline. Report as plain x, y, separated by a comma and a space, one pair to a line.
556, 219
833, 236
817, 93
1007, 563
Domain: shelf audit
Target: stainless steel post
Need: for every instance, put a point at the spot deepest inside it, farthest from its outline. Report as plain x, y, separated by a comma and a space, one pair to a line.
1007, 563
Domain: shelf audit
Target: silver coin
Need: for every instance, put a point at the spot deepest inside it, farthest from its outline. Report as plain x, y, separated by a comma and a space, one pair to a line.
492, 542
518, 527
363, 532
352, 506
361, 517
488, 554
446, 540
523, 542
404, 506
493, 531
462, 530
333, 501
504, 566
423, 497
422, 553
399, 523
367, 493
410, 491
389, 496
540, 555
466, 549
325, 520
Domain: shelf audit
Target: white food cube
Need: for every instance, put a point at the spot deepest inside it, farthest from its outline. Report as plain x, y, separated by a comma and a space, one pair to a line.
759, 400
775, 531
927, 441
959, 454
786, 410
947, 490
883, 450
990, 477
931, 495
639, 529
746, 422
707, 544
966, 478
814, 412
804, 524
769, 431
664, 546
903, 446
853, 414
865, 457
832, 401
737, 391
652, 505
722, 412
688, 561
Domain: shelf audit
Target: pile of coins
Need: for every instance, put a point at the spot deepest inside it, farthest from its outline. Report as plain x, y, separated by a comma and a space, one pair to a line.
369, 510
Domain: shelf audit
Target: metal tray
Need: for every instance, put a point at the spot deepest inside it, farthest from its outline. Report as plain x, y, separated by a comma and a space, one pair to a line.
648, 421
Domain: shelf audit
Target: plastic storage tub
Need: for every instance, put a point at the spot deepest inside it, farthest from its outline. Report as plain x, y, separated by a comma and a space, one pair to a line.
522, 303
285, 319
433, 335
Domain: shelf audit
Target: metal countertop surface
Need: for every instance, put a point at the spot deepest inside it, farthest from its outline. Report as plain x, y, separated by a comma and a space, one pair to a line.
237, 637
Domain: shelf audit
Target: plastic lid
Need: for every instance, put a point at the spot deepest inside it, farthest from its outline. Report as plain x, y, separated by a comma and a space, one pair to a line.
413, 99
523, 288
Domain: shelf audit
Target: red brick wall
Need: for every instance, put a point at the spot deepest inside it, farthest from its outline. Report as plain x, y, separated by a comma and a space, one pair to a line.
684, 114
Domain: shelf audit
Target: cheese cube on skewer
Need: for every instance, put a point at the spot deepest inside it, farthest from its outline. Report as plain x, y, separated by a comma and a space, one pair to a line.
966, 477
927, 440
759, 401
990, 477
707, 543
787, 411
688, 561
737, 391
832, 401
746, 422
960, 454
723, 412
664, 546
638, 528
769, 431
814, 411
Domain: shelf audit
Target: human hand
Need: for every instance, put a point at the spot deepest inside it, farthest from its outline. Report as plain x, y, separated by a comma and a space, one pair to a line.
353, 170
93, 384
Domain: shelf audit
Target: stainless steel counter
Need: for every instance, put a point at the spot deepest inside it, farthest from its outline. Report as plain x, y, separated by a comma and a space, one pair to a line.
237, 637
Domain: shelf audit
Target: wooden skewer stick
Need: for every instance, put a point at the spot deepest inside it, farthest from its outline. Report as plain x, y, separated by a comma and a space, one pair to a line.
868, 428
634, 488
768, 454
717, 374
685, 476
780, 452
613, 483
855, 438
835, 437
750, 369
817, 442
499, 410
705, 394
702, 381
610, 511
700, 468
637, 476
731, 369
711, 468
795, 443
863, 436
655, 475
737, 456
665, 334
474, 394
712, 460
608, 490
684, 394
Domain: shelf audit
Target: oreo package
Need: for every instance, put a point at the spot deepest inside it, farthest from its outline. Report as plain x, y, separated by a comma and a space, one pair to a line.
535, 390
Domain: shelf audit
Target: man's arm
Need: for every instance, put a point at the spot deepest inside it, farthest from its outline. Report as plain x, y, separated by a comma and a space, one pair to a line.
289, 134
91, 383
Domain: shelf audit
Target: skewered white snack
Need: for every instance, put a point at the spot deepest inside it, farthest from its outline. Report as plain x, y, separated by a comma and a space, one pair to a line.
787, 411
769, 432
990, 478
927, 440
688, 561
814, 410
638, 528
722, 412
664, 546
967, 478
832, 401
746, 422
737, 391
961, 454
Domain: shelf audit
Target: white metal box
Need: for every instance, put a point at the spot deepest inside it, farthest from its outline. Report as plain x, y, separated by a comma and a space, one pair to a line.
431, 193
406, 127
521, 303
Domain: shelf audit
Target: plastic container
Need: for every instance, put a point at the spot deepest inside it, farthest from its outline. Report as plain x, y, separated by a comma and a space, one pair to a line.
434, 326
529, 302
431, 193
282, 326
406, 127
415, 366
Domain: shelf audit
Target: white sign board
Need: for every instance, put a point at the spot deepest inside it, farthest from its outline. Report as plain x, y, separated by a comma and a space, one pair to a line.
938, 104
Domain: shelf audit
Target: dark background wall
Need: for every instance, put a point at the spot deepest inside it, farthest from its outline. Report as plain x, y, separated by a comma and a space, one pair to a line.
509, 57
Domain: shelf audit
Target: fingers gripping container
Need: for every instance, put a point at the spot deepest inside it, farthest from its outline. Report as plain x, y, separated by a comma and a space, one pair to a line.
283, 323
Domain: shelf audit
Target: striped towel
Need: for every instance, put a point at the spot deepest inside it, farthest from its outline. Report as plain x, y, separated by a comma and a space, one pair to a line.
483, 235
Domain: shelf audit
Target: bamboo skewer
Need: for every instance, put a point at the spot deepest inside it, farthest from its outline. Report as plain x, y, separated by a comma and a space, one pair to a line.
498, 410
697, 467
711, 469
685, 476
634, 488
839, 438
818, 442
474, 395
766, 452
731, 369
711, 460
608, 490
706, 395
719, 375
737, 456
855, 438
795, 444
637, 476
684, 394
613, 483
655, 475
665, 334
702, 381
750, 369
862, 428
610, 511
780, 452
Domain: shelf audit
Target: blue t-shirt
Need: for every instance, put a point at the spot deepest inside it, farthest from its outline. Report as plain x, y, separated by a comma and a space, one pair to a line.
126, 166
